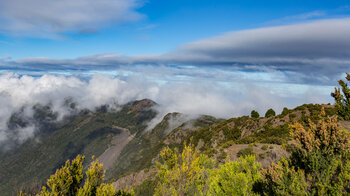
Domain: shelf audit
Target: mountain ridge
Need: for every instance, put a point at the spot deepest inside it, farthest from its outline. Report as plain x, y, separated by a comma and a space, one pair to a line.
135, 150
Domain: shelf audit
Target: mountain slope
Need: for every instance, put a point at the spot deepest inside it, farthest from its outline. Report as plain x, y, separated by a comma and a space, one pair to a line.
221, 138
129, 152
27, 166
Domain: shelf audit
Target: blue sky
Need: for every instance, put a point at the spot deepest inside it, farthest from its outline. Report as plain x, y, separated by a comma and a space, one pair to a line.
164, 25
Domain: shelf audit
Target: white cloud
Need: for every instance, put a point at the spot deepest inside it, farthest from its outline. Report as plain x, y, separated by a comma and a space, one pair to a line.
308, 51
299, 43
205, 92
51, 17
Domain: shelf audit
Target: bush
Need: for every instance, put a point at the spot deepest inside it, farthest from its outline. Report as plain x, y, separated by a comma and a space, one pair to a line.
192, 173
270, 112
246, 152
235, 177
283, 179
69, 180
342, 99
321, 151
325, 137
292, 116
254, 114
264, 147
183, 173
285, 111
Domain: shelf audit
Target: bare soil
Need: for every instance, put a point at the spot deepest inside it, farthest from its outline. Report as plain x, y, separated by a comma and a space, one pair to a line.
112, 153
272, 154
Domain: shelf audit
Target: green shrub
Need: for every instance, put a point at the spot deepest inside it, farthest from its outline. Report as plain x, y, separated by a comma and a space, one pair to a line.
342, 99
254, 114
283, 179
245, 152
270, 112
285, 111
222, 155
147, 188
321, 151
264, 147
262, 155
227, 144
182, 173
292, 116
69, 180
234, 177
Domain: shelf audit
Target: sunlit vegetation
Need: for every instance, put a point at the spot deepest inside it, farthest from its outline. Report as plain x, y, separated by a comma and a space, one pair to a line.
69, 180
342, 98
192, 173
319, 165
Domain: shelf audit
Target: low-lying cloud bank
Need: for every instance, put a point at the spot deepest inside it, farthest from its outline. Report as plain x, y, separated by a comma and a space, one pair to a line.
313, 52
174, 92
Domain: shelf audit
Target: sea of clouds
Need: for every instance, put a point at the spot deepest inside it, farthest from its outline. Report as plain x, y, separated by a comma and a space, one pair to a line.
193, 95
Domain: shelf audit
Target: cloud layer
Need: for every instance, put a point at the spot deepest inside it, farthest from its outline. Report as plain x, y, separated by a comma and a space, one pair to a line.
316, 51
50, 17
223, 76
173, 91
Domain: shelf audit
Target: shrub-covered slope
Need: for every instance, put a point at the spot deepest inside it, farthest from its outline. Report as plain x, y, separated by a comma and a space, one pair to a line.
268, 138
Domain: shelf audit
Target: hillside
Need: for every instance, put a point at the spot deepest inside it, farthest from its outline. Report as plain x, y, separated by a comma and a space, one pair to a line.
128, 152
88, 133
267, 138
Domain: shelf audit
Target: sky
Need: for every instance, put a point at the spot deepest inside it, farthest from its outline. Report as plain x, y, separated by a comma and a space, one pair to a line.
222, 58
134, 27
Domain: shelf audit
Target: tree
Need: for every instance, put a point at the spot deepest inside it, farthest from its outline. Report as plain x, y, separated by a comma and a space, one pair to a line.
342, 98
285, 111
68, 181
254, 114
270, 112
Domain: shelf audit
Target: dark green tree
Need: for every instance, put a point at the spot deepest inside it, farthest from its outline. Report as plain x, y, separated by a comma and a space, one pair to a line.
342, 98
254, 114
270, 112
285, 111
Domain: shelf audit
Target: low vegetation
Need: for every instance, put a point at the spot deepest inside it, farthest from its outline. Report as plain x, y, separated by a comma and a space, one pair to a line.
69, 180
342, 98
319, 165
245, 152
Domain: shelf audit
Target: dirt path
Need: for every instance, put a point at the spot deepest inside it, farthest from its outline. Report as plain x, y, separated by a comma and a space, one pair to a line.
273, 153
134, 179
345, 124
118, 143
